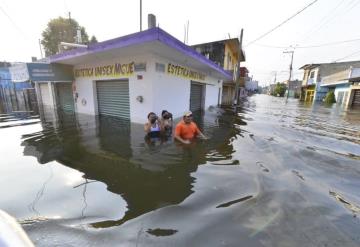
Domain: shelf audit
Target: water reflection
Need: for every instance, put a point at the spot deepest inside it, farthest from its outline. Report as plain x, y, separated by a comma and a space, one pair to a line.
146, 175
275, 173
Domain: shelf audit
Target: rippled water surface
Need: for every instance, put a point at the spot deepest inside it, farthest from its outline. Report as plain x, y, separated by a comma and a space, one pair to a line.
273, 173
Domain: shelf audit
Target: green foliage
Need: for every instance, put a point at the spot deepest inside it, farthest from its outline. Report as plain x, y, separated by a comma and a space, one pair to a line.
93, 40
330, 97
279, 90
61, 30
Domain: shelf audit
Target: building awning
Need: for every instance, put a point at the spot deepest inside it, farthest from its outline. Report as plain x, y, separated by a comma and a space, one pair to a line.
334, 84
309, 66
354, 79
154, 40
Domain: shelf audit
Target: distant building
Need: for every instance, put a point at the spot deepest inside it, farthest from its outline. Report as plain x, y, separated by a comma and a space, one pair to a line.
226, 53
313, 88
294, 88
251, 85
345, 85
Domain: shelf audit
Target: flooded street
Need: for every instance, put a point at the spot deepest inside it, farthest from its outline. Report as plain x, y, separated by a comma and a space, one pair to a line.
273, 173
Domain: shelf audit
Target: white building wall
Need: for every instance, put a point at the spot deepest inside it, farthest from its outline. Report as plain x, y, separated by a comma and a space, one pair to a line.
212, 94
341, 89
86, 88
172, 93
159, 90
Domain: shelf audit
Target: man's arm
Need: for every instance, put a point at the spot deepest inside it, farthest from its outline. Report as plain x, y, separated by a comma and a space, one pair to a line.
177, 137
200, 134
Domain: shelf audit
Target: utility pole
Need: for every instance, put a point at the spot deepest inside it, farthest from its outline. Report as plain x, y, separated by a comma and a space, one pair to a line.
290, 71
275, 77
187, 33
140, 15
40, 49
237, 70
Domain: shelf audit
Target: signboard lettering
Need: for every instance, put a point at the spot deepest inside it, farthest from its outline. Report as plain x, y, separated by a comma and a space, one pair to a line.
181, 71
112, 70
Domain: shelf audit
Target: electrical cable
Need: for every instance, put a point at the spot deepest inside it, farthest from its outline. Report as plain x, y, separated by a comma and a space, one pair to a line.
13, 22
311, 46
350, 55
323, 22
282, 23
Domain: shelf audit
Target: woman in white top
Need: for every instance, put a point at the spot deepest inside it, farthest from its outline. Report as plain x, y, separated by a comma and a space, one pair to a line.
153, 126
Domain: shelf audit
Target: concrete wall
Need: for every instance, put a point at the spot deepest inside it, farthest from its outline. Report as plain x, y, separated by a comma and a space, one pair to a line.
342, 88
172, 93
229, 65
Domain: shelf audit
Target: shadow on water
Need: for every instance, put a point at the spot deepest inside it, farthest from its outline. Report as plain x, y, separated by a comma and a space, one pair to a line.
147, 175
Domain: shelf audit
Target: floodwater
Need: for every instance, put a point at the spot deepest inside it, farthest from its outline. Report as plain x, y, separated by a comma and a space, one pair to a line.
273, 173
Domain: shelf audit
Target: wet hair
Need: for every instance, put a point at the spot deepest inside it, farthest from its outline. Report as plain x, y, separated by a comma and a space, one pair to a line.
163, 112
151, 113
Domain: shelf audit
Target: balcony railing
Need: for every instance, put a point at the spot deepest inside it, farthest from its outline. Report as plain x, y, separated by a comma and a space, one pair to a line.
311, 81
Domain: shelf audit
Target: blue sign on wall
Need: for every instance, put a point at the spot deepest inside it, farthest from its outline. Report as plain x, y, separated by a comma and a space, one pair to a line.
50, 72
41, 72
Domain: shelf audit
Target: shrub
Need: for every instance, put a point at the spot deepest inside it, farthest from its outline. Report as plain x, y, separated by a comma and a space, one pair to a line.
330, 97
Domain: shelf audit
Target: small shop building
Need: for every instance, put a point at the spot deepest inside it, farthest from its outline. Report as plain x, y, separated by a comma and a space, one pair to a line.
50, 85
130, 76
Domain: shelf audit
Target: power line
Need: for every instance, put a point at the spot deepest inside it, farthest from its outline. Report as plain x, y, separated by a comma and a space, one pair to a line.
12, 22
282, 23
350, 55
331, 17
310, 46
323, 22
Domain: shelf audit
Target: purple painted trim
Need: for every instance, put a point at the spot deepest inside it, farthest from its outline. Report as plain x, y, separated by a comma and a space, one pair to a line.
139, 38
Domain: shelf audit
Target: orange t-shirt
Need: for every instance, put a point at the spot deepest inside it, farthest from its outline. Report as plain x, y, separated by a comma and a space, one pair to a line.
186, 131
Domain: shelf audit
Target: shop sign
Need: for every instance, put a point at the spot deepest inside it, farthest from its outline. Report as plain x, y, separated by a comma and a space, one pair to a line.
112, 70
50, 72
140, 67
181, 71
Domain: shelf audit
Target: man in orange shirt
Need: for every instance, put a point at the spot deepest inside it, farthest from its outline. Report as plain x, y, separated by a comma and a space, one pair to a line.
186, 130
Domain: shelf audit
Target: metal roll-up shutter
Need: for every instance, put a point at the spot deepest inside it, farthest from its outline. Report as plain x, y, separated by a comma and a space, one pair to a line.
113, 98
196, 96
45, 94
356, 99
65, 96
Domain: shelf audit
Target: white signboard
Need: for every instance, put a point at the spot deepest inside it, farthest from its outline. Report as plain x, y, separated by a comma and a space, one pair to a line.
19, 72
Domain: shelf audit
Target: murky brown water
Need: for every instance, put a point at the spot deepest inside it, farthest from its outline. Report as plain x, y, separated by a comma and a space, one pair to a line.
272, 174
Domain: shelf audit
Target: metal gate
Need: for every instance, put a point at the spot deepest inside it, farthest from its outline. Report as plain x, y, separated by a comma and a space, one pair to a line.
196, 96
113, 98
356, 99
65, 96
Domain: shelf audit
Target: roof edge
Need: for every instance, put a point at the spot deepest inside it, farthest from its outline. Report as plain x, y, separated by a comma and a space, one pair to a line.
148, 35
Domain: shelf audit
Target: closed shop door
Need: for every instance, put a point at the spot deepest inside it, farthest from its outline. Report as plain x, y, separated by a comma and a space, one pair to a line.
65, 96
356, 99
196, 96
45, 94
113, 98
